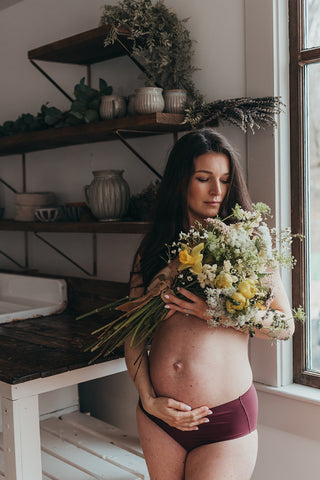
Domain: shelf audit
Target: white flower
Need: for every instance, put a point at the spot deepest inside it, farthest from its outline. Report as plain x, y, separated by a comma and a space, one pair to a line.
227, 266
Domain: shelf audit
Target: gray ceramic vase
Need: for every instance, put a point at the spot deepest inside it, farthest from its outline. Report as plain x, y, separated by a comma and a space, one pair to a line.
108, 195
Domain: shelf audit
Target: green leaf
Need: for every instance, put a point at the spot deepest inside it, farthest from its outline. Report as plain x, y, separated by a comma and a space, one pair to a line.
91, 116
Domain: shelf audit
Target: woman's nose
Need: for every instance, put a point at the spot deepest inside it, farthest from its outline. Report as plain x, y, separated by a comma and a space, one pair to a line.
215, 188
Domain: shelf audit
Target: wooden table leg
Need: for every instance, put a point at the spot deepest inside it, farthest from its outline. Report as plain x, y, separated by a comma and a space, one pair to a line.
21, 438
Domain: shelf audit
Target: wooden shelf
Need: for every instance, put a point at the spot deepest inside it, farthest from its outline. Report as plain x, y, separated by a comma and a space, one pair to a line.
133, 126
75, 227
83, 49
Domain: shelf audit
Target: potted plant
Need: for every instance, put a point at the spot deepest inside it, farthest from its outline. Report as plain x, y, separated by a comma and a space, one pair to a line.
161, 43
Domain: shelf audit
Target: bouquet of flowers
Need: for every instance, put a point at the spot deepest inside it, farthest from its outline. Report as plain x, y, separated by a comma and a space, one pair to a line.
229, 265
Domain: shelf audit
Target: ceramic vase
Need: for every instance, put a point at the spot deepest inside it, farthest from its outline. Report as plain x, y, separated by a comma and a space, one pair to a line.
113, 106
175, 101
108, 195
149, 100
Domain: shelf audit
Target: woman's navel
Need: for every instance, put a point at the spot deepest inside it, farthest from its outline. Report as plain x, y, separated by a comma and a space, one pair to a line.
178, 366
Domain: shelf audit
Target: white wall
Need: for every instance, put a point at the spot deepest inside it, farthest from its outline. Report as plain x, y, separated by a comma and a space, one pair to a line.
238, 51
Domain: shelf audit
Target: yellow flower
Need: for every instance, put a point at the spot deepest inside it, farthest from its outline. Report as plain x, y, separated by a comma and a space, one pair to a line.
239, 302
223, 280
247, 288
260, 305
191, 259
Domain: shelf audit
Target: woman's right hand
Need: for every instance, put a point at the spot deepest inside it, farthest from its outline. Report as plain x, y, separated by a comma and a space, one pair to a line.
177, 414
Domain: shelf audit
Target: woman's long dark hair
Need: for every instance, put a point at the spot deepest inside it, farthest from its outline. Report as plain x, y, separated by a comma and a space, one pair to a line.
171, 211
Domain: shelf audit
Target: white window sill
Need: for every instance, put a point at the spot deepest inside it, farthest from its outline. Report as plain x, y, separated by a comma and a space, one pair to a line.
293, 391
294, 409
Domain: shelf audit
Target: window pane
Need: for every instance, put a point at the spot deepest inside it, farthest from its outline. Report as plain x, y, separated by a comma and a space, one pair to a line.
312, 23
313, 211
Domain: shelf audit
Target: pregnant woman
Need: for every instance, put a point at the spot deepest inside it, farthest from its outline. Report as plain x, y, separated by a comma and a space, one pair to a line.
197, 411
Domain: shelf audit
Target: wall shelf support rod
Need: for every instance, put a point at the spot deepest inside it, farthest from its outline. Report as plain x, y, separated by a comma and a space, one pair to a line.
51, 80
135, 61
68, 258
124, 141
8, 185
12, 260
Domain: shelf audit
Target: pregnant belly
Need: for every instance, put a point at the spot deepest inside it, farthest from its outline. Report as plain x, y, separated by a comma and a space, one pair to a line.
198, 365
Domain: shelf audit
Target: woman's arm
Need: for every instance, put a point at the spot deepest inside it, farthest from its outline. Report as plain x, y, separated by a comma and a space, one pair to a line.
280, 304
175, 413
197, 306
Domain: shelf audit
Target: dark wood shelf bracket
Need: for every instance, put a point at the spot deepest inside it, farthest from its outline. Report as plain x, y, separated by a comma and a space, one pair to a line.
6, 184
129, 53
134, 151
47, 76
60, 252
23, 267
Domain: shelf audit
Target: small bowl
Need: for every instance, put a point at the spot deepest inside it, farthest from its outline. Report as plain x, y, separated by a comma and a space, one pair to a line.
47, 214
72, 213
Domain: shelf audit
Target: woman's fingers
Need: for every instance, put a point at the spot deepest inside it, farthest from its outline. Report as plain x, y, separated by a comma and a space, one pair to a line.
187, 294
178, 405
191, 420
181, 416
198, 308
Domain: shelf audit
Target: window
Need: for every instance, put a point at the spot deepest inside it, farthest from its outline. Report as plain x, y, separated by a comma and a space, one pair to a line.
304, 31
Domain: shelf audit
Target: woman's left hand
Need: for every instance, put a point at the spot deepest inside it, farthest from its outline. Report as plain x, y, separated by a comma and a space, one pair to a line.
194, 305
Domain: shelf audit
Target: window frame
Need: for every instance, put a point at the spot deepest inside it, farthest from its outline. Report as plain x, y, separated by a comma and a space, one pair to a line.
299, 58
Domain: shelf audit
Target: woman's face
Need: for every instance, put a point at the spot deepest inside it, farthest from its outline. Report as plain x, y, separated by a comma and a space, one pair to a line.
208, 185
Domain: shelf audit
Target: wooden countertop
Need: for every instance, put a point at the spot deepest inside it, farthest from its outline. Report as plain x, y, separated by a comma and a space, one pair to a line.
45, 346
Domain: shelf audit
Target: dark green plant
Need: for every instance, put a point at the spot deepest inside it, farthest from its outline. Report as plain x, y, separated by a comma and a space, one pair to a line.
84, 109
141, 204
160, 41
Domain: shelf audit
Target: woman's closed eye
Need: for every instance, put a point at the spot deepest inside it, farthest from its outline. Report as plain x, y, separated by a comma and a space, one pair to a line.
202, 179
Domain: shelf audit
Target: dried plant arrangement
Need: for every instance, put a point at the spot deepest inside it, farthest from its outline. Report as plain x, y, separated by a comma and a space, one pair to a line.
249, 114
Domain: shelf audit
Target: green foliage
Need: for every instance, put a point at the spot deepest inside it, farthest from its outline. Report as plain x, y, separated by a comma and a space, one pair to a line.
161, 42
141, 205
84, 109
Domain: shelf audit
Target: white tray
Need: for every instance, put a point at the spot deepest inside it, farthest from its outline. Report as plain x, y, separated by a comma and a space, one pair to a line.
24, 297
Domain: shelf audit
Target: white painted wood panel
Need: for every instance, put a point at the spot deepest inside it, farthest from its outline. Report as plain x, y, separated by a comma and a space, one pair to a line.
105, 430
103, 448
80, 458
80, 447
57, 469
21, 438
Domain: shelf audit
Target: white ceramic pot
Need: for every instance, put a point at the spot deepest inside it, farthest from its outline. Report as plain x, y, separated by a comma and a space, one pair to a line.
113, 106
108, 195
149, 100
175, 101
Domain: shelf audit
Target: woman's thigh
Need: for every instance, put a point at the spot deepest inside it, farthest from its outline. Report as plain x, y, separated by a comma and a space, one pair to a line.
232, 459
165, 458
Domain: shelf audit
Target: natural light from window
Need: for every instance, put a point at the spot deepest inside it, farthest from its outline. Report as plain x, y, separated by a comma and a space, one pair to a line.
312, 155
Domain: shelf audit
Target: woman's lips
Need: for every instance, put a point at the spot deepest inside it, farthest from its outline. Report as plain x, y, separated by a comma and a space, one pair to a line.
212, 204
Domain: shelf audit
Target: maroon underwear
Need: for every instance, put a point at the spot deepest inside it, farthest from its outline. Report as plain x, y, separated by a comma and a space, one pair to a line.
231, 420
